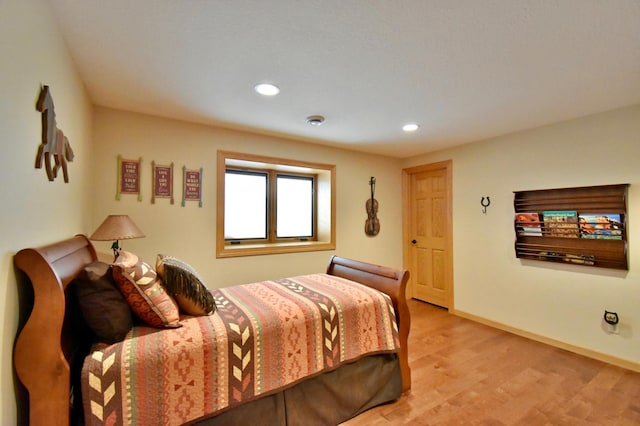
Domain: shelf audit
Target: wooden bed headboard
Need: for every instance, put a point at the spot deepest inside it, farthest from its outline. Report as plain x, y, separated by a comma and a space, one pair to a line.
42, 353
48, 352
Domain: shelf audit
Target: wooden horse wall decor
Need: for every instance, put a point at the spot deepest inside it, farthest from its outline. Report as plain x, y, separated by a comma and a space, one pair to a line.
372, 226
54, 142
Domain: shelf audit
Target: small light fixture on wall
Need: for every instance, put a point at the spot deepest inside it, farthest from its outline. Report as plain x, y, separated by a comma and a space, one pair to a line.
117, 227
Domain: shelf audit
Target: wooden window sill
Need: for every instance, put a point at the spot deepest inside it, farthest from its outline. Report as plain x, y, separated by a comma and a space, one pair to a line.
273, 248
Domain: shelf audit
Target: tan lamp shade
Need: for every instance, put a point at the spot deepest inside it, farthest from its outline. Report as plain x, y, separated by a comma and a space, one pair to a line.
117, 227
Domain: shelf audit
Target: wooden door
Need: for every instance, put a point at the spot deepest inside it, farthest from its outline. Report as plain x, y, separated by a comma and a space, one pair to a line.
428, 231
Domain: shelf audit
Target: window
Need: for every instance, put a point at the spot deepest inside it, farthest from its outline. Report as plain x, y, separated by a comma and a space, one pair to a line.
269, 205
295, 207
245, 205
251, 201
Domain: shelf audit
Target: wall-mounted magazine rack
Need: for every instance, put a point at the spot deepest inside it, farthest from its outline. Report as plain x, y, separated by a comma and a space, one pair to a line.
583, 225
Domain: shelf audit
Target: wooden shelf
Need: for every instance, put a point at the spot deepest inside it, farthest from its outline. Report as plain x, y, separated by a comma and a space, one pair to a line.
541, 241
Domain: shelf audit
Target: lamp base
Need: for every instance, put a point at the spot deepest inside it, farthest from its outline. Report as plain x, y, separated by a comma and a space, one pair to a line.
116, 249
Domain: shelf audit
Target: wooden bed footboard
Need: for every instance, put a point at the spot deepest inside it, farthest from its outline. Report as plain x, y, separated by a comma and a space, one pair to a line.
392, 282
45, 348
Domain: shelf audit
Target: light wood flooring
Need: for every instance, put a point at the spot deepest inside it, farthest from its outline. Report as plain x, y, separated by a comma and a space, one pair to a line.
466, 373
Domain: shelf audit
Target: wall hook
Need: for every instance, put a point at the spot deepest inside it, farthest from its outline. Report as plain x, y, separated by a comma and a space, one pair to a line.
485, 205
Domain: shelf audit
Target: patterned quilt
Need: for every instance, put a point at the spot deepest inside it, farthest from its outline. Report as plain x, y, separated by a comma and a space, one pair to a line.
264, 337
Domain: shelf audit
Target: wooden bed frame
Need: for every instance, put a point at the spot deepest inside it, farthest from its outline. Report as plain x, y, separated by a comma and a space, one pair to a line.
48, 353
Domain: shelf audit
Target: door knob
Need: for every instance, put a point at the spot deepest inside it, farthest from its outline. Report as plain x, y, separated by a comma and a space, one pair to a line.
413, 241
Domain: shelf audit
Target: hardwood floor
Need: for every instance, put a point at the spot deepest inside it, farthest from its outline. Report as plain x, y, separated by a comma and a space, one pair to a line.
464, 373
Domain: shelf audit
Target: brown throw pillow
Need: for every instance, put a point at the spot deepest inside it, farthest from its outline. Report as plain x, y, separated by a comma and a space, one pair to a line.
185, 285
102, 305
143, 291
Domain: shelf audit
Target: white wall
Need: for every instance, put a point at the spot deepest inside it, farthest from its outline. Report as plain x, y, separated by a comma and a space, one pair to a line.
35, 211
189, 232
562, 302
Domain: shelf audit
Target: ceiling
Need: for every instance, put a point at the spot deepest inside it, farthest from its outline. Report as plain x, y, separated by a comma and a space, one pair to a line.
464, 70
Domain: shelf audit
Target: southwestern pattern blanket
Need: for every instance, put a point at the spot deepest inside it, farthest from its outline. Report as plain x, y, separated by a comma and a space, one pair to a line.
264, 337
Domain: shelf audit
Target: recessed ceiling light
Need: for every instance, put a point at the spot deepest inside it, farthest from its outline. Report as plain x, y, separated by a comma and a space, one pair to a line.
315, 120
411, 127
266, 89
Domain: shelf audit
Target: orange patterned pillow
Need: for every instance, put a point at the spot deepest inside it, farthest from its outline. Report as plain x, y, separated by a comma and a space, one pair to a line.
143, 291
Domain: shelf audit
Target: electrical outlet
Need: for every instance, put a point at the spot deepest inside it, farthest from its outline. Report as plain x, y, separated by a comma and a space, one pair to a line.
611, 317
610, 322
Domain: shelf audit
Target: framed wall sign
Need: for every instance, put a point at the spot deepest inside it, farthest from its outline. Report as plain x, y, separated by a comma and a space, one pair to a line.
161, 182
128, 177
192, 185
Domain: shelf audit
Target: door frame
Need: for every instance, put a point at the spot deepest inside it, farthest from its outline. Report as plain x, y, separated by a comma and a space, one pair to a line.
447, 165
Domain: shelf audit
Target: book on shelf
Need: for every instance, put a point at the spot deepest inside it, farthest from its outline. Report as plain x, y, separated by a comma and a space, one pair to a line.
603, 226
561, 224
528, 224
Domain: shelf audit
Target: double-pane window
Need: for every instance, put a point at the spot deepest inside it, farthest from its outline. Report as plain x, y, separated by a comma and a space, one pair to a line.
271, 205
268, 205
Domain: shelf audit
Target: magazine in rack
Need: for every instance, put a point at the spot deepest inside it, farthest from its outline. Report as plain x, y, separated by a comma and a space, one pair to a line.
528, 224
561, 224
604, 226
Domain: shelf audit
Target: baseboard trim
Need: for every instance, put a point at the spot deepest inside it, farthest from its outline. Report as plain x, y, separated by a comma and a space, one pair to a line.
620, 362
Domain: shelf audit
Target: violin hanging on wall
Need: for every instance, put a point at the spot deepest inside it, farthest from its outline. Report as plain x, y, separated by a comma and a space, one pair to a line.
372, 226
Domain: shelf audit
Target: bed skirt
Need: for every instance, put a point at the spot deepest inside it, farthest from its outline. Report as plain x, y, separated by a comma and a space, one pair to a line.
327, 399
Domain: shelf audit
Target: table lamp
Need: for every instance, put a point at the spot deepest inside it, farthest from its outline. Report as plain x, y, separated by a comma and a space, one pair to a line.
117, 227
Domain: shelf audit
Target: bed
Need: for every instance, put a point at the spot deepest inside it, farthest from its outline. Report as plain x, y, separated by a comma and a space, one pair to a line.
53, 350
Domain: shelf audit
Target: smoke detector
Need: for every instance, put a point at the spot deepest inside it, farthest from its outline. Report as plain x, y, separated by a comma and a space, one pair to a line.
315, 120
